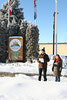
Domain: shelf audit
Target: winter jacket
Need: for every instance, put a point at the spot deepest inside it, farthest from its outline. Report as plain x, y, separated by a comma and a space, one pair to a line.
57, 68
45, 58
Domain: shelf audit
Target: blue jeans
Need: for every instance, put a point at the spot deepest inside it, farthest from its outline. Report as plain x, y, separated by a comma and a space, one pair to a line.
57, 78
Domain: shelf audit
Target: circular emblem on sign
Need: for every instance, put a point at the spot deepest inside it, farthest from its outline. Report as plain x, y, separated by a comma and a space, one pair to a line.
15, 45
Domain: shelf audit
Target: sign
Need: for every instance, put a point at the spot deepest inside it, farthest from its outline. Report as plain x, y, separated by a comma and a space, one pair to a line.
15, 48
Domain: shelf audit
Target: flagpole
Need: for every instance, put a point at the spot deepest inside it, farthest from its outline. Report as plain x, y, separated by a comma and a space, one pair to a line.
35, 22
56, 26
35, 12
53, 31
8, 13
36, 16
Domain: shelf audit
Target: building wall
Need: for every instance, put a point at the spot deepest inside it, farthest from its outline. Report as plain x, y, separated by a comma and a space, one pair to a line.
61, 48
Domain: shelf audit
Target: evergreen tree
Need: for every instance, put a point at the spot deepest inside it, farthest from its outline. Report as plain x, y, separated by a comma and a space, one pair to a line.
17, 14
23, 28
3, 41
32, 34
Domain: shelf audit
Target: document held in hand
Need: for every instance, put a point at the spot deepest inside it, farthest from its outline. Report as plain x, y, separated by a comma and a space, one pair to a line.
41, 60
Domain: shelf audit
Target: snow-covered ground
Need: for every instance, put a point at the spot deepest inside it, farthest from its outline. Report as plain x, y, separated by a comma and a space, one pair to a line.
22, 87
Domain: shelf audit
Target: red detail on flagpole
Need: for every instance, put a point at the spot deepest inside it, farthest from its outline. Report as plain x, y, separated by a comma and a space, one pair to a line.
34, 2
10, 12
10, 8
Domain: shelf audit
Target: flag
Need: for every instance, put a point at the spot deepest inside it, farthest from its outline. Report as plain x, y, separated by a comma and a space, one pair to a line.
35, 15
10, 8
34, 2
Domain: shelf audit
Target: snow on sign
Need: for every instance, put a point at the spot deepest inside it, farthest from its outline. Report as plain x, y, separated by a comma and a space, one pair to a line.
15, 48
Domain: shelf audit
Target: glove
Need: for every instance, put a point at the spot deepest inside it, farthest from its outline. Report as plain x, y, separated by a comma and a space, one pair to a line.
60, 69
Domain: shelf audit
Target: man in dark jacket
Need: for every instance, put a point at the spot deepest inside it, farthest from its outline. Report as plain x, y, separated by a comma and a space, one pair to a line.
42, 60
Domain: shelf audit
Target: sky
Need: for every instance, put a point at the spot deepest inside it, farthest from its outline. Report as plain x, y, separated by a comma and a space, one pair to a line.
45, 10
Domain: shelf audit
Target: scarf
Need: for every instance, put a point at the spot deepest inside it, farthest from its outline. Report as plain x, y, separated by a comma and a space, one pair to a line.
57, 59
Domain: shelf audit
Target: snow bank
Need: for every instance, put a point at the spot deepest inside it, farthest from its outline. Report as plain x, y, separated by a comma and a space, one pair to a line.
30, 67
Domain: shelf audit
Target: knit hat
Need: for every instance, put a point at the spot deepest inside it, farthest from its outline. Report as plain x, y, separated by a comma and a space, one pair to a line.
43, 49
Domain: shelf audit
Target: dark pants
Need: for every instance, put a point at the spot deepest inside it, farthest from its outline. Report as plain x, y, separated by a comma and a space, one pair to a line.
44, 73
57, 78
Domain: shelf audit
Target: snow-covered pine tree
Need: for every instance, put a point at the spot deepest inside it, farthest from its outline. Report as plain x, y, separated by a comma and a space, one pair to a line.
14, 27
32, 37
17, 14
23, 28
3, 42
15, 19
16, 11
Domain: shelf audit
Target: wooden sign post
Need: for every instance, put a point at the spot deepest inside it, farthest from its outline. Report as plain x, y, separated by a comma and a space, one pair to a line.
15, 49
